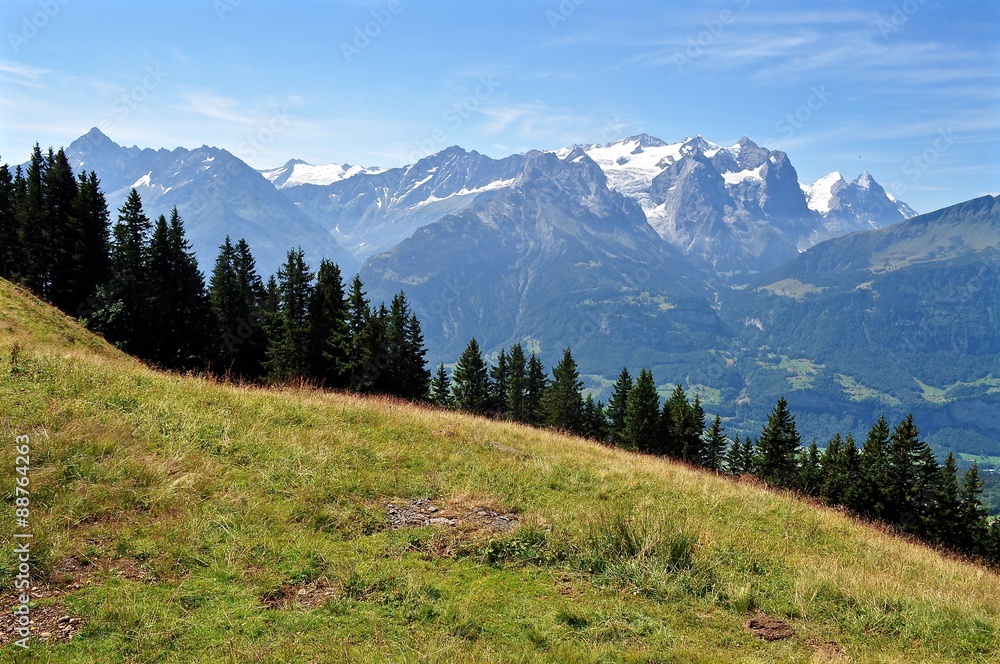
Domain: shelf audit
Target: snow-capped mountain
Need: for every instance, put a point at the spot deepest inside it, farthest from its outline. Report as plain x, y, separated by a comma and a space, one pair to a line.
737, 208
861, 204
296, 172
372, 212
556, 258
216, 194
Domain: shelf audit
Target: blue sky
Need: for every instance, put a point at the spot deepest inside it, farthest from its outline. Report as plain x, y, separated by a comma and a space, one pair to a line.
907, 90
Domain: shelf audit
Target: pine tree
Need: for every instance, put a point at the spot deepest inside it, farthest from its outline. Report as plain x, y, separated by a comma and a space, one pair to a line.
471, 381
9, 242
778, 447
900, 483
34, 231
946, 523
417, 378
360, 313
642, 416
676, 424
94, 250
288, 354
236, 295
65, 237
734, 457
693, 447
840, 464
972, 516
329, 337
440, 391
928, 494
595, 422
618, 406
811, 467
121, 309
563, 400
867, 496
499, 384
517, 384
715, 446
535, 387
179, 312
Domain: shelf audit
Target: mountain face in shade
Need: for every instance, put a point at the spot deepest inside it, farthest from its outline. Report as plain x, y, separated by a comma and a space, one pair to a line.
216, 194
900, 319
372, 212
555, 259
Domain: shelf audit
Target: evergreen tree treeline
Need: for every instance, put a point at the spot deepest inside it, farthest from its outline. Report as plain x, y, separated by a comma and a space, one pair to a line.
138, 283
893, 478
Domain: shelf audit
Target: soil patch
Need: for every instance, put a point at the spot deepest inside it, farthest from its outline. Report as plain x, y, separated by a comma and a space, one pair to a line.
423, 512
305, 595
827, 651
768, 628
50, 622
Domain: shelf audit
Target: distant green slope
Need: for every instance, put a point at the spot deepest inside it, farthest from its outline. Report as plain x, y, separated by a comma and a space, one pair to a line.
906, 318
179, 520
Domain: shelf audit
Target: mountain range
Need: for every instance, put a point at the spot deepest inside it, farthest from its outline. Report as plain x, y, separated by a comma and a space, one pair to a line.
714, 266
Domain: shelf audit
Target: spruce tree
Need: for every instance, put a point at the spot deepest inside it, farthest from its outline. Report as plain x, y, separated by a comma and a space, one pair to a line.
440, 390
972, 516
946, 522
534, 391
499, 384
360, 313
34, 231
900, 483
517, 384
417, 378
236, 295
121, 309
9, 242
676, 424
563, 401
778, 447
94, 249
329, 338
693, 447
288, 354
642, 416
867, 496
811, 467
715, 446
471, 381
595, 422
618, 406
65, 236
179, 311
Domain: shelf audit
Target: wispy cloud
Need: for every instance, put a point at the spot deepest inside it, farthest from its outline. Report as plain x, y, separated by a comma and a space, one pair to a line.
209, 104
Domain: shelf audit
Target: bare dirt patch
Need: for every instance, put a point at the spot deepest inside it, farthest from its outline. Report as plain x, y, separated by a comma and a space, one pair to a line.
50, 621
423, 512
300, 595
827, 651
769, 628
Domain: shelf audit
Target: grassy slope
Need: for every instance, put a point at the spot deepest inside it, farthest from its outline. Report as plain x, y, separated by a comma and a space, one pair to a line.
211, 497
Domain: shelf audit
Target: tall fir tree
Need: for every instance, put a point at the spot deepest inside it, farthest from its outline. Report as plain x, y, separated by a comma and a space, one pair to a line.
715, 446
972, 515
440, 390
811, 470
778, 447
534, 390
93, 269
179, 310
517, 383
946, 523
563, 400
676, 423
867, 496
471, 381
900, 483
499, 383
10, 251
642, 417
618, 406
65, 236
34, 231
359, 316
236, 296
595, 421
329, 336
288, 354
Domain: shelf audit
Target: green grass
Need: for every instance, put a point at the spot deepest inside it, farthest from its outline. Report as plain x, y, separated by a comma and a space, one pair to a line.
858, 392
994, 460
192, 505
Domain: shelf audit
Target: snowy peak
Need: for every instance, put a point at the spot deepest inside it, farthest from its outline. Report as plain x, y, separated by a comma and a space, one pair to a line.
820, 193
297, 172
